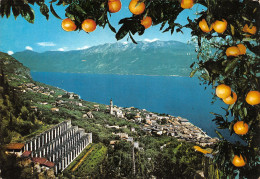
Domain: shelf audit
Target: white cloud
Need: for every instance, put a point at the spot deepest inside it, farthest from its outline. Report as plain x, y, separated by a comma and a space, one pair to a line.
10, 52
125, 43
28, 48
46, 44
151, 40
62, 49
82, 48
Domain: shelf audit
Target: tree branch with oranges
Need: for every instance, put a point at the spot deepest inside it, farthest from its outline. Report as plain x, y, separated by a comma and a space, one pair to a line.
227, 35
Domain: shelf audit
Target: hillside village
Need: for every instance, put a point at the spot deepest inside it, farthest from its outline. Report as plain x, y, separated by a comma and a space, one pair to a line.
151, 123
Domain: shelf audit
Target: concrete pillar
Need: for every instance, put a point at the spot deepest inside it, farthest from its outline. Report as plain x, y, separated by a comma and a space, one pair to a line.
43, 140
35, 144
40, 154
56, 169
63, 164
46, 138
60, 165
39, 142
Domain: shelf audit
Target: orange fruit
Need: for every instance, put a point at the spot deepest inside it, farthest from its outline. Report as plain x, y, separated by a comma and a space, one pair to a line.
220, 26
240, 128
204, 26
242, 49
239, 161
253, 97
89, 25
68, 25
223, 91
136, 9
114, 6
230, 99
251, 30
187, 4
147, 22
232, 51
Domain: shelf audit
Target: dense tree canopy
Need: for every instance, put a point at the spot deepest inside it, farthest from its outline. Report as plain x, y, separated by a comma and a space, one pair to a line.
233, 21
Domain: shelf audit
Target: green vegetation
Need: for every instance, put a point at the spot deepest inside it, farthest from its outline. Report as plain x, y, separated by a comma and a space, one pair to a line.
103, 160
90, 166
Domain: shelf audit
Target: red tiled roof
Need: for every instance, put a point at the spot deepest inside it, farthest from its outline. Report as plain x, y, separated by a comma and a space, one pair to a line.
15, 146
26, 154
39, 160
49, 164
43, 161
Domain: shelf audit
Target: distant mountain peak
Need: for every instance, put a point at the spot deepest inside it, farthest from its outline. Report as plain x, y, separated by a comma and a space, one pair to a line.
154, 57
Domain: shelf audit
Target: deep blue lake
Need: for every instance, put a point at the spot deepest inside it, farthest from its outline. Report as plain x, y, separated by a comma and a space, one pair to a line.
178, 96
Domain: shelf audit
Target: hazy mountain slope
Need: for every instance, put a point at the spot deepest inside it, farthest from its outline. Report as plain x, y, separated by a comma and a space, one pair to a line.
155, 58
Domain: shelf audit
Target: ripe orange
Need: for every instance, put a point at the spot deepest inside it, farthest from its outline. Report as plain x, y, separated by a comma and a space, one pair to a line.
114, 5
251, 30
136, 9
240, 128
253, 97
232, 51
230, 99
147, 22
68, 25
239, 161
223, 91
242, 49
89, 25
220, 26
187, 4
204, 26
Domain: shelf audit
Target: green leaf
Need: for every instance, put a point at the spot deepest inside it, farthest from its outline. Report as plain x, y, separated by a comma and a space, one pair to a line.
79, 9
133, 40
193, 72
232, 29
28, 14
231, 65
53, 12
45, 11
245, 112
122, 32
15, 11
111, 27
219, 134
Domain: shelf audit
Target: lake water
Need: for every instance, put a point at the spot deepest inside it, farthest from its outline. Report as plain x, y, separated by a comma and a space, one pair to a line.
177, 96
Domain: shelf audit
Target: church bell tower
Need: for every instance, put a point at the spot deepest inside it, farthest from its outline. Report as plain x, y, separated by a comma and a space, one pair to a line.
111, 106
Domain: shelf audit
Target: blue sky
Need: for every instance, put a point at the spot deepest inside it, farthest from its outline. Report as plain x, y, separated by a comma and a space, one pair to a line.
19, 35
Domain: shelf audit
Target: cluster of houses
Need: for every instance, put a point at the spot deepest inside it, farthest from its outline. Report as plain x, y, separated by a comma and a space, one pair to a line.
179, 128
40, 163
25, 87
37, 89
155, 124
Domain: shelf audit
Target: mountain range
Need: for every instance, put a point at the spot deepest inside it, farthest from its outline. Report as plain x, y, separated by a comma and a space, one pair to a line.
144, 58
